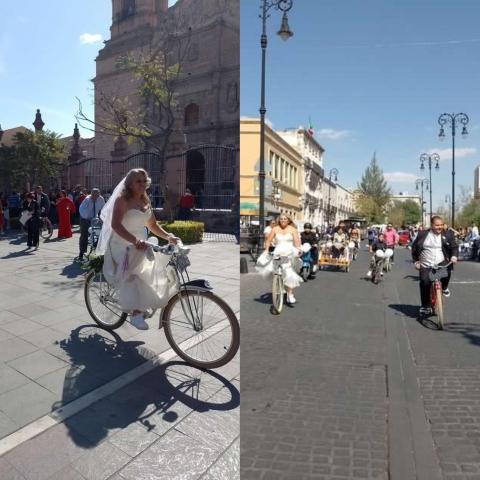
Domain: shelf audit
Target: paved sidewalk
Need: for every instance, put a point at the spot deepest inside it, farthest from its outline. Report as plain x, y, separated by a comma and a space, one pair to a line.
52, 357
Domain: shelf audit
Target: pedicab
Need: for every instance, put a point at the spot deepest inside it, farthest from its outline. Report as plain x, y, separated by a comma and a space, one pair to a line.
327, 257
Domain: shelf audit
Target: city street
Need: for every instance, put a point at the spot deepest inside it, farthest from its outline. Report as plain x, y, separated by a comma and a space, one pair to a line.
80, 403
347, 384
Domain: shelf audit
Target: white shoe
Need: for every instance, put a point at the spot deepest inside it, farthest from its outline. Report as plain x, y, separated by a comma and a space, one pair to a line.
291, 298
369, 274
138, 321
381, 274
314, 269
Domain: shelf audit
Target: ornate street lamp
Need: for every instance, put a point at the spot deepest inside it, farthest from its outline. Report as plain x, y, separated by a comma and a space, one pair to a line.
423, 184
285, 33
333, 173
428, 159
453, 120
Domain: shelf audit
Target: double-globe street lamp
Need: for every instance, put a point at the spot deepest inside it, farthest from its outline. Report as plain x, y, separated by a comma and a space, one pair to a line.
428, 159
285, 33
333, 173
453, 120
423, 184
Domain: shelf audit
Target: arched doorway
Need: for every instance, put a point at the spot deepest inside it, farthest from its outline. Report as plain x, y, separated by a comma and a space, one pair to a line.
195, 174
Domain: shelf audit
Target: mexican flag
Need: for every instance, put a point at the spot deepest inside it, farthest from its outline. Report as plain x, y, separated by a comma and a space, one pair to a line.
310, 129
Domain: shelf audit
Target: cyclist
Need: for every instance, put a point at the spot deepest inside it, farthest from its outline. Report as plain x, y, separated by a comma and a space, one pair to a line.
309, 236
355, 235
433, 247
43, 201
378, 244
391, 238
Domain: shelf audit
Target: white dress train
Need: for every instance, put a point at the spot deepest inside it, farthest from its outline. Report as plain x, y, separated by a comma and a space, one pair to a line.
142, 277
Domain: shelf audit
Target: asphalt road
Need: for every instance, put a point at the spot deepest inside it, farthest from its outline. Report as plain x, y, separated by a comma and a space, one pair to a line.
348, 384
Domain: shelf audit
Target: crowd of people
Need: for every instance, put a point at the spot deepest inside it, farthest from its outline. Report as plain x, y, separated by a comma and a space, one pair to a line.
433, 247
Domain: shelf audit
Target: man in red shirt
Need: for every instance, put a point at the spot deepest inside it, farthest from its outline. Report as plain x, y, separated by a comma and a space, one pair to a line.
187, 202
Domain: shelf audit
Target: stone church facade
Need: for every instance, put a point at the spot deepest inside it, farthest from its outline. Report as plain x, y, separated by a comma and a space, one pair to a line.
205, 139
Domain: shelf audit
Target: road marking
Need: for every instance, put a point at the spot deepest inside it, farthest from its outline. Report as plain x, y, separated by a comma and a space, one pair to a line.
466, 282
58, 416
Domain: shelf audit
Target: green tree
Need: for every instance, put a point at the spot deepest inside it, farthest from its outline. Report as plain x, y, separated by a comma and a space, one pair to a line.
374, 194
35, 158
469, 213
412, 211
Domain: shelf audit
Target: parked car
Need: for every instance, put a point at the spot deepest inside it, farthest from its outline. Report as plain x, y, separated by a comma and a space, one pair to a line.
403, 237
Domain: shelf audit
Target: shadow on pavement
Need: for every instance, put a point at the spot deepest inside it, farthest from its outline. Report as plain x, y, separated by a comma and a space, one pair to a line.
265, 298
471, 331
22, 253
407, 310
413, 277
73, 270
156, 401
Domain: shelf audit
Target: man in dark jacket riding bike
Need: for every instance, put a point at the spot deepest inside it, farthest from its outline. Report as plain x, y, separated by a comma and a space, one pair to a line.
310, 236
433, 247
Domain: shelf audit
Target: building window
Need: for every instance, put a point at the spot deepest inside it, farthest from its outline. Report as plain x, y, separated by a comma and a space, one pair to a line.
281, 169
128, 9
192, 115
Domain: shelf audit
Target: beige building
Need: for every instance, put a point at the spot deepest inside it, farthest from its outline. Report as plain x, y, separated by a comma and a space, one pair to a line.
312, 154
344, 203
284, 174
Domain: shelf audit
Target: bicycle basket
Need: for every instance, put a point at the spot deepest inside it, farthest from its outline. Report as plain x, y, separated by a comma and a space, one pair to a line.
434, 275
182, 262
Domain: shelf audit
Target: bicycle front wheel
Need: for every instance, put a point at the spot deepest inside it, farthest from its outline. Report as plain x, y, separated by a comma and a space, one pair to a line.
277, 293
46, 229
101, 300
201, 328
439, 308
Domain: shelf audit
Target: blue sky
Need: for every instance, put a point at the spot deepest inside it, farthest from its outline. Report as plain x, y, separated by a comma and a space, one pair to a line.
47, 58
373, 75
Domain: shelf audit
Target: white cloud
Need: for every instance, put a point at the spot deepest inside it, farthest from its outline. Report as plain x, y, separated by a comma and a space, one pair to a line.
89, 38
446, 153
400, 177
332, 134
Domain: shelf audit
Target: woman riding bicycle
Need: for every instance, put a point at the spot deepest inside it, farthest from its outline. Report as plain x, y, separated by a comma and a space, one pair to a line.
287, 243
139, 274
378, 244
433, 247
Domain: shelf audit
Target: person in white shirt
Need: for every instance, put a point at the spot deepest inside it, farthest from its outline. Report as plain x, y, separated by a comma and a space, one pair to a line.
266, 233
433, 247
89, 209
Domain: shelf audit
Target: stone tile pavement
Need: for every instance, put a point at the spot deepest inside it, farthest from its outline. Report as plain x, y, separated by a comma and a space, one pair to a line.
51, 354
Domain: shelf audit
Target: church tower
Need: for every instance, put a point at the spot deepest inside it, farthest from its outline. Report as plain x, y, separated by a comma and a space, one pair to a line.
130, 15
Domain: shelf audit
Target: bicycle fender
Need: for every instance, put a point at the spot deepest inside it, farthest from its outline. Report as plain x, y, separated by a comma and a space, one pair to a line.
198, 284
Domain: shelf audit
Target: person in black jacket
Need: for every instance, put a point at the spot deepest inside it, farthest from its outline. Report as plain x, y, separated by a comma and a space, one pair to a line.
433, 247
310, 236
33, 224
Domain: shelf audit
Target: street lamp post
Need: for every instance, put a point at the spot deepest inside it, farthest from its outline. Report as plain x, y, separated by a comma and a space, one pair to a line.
426, 158
333, 172
284, 33
448, 200
453, 120
423, 183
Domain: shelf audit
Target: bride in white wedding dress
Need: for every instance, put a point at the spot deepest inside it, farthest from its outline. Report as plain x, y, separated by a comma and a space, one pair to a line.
139, 274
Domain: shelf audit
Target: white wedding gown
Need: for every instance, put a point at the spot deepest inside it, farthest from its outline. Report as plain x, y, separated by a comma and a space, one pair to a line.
284, 246
142, 277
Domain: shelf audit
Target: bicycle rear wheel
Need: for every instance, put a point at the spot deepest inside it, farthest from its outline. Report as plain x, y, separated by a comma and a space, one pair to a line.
438, 308
277, 293
101, 300
201, 328
46, 229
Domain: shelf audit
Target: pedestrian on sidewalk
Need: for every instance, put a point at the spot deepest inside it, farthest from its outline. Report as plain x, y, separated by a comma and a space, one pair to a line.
31, 206
89, 209
65, 208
